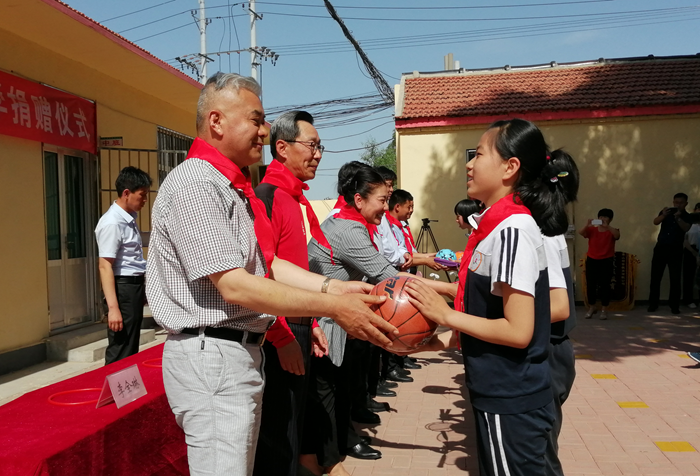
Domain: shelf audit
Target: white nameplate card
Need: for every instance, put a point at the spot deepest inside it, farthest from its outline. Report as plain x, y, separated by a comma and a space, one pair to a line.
122, 387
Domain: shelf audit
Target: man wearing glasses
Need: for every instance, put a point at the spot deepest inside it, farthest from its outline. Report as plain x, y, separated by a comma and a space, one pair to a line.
297, 150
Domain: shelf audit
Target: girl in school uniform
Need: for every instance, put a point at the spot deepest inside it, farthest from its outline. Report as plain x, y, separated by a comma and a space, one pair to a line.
502, 310
564, 175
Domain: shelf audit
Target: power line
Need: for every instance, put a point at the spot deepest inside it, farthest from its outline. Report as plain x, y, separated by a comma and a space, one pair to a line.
537, 17
359, 148
136, 11
163, 32
360, 133
379, 81
475, 35
443, 8
182, 26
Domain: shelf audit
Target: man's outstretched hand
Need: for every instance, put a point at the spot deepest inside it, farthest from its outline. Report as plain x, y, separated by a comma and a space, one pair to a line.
354, 315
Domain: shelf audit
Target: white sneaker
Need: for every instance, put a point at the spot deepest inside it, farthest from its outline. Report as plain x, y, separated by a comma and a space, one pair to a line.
603, 315
692, 305
592, 310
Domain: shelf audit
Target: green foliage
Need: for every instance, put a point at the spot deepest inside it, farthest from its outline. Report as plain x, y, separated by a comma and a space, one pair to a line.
376, 155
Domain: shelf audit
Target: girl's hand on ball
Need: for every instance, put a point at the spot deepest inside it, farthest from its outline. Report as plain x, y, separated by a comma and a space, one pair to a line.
427, 301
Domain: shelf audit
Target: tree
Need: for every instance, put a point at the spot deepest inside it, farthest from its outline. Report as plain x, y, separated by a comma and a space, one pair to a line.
376, 155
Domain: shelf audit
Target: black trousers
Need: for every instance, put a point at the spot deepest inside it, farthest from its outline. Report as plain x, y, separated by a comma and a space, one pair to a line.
284, 404
671, 256
562, 368
125, 342
512, 444
599, 274
355, 370
328, 430
689, 268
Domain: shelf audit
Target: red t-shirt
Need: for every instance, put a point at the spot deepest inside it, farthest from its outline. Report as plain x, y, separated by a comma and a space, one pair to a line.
601, 244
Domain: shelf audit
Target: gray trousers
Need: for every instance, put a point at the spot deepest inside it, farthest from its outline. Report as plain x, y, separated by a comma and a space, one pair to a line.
214, 388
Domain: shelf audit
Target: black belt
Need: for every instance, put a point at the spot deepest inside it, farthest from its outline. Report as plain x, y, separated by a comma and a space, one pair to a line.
227, 334
302, 321
129, 279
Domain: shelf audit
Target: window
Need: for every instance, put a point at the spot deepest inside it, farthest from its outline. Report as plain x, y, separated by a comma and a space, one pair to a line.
172, 150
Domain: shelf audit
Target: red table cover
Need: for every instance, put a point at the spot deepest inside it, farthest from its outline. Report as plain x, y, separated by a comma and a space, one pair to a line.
141, 438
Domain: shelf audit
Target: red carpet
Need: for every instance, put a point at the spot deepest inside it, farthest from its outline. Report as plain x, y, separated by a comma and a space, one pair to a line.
141, 438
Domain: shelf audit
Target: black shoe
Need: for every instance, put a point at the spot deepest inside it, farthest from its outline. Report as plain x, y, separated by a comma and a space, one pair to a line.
394, 376
363, 451
365, 416
375, 406
411, 365
367, 440
382, 391
403, 372
652, 308
387, 384
675, 310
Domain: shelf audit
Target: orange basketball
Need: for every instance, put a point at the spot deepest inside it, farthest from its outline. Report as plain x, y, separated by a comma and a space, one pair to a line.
414, 329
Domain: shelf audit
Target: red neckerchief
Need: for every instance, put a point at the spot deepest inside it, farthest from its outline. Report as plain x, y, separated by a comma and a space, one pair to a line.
490, 219
263, 228
410, 236
406, 236
340, 203
280, 176
348, 212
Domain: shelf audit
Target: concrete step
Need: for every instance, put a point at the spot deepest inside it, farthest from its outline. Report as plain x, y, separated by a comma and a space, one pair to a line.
57, 346
96, 350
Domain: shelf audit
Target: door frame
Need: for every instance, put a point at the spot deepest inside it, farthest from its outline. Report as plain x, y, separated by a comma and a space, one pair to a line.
90, 216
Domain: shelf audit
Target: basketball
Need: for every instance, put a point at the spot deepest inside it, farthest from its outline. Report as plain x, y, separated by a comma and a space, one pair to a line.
414, 329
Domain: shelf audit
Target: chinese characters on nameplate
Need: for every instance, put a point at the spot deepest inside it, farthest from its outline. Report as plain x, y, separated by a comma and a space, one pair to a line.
122, 387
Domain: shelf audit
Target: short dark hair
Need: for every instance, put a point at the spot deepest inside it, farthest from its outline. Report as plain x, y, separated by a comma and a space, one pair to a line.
286, 128
386, 173
697, 205
467, 207
132, 179
606, 212
399, 197
681, 195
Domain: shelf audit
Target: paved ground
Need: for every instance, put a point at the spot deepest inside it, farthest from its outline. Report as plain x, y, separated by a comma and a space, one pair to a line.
634, 409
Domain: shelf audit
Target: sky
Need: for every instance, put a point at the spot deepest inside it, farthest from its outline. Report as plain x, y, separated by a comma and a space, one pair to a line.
317, 63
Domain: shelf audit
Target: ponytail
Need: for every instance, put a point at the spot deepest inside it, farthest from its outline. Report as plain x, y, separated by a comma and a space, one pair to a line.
546, 182
363, 181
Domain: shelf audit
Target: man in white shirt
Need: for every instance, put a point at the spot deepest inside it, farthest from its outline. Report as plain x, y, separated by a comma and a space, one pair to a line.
121, 264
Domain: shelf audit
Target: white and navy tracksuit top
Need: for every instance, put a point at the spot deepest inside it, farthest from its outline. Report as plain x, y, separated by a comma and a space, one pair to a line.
503, 379
560, 277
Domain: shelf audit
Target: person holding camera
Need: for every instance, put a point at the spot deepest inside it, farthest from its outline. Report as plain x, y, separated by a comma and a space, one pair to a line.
599, 260
668, 251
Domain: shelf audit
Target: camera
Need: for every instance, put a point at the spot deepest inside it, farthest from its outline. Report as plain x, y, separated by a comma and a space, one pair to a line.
426, 221
672, 210
596, 222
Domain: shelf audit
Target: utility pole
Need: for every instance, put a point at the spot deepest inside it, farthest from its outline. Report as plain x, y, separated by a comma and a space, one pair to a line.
253, 40
202, 42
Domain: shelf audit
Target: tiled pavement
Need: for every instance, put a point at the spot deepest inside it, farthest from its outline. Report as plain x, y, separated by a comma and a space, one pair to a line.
634, 408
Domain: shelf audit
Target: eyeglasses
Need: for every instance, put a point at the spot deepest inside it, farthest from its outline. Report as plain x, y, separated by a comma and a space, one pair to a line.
311, 144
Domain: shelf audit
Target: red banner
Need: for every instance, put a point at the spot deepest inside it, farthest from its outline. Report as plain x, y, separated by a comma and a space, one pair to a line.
32, 111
